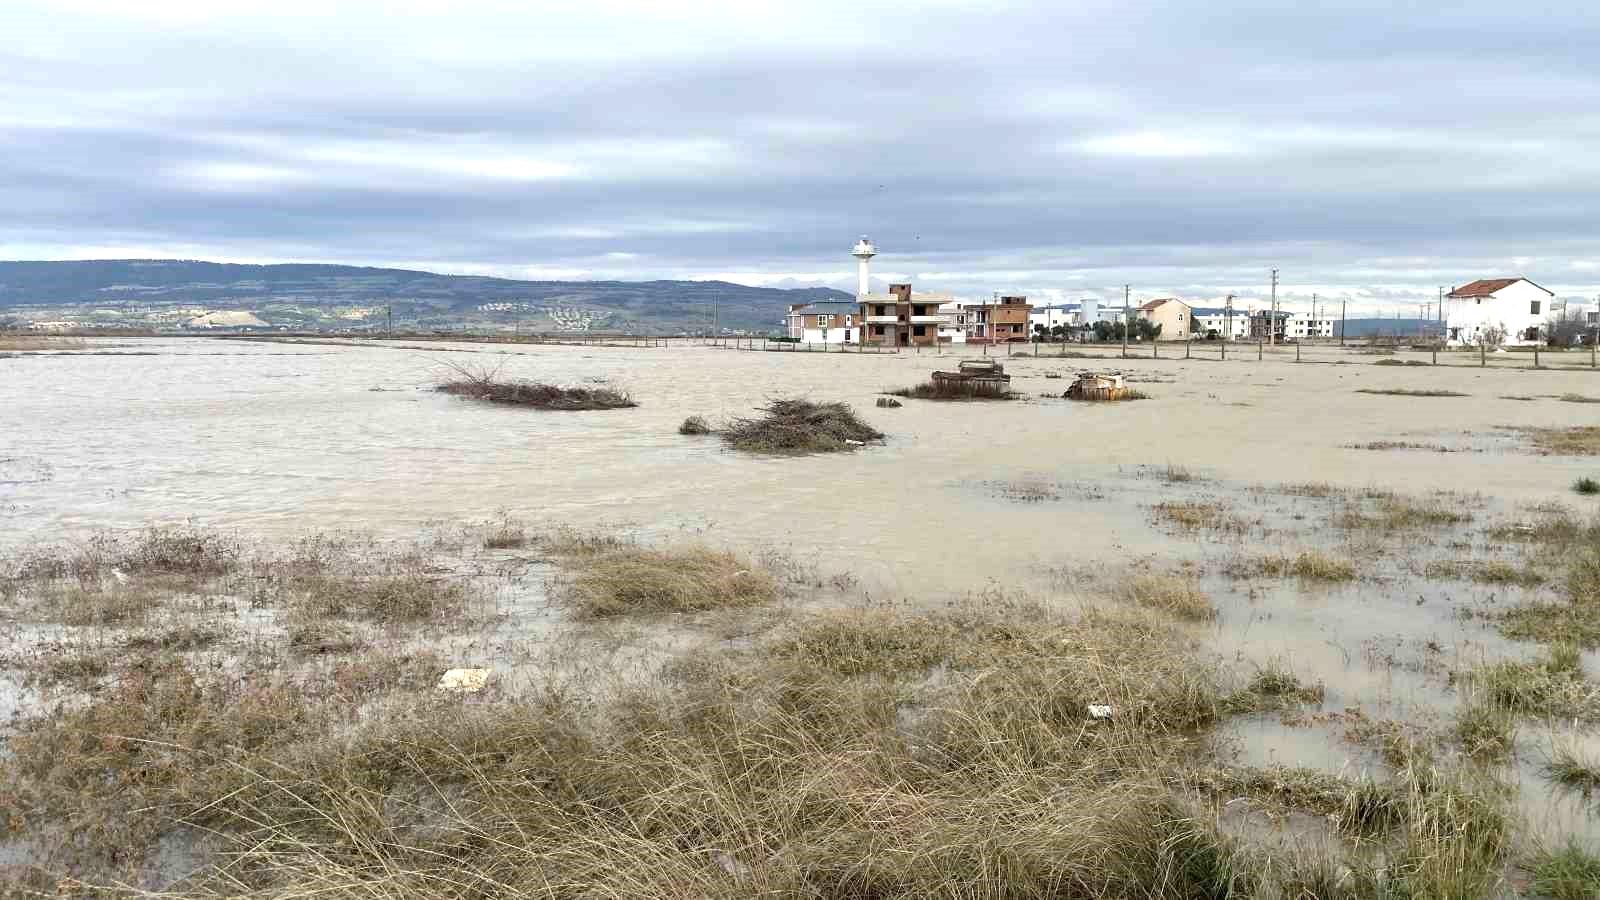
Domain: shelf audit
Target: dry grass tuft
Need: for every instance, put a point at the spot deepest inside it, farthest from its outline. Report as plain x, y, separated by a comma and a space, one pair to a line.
1578, 398
1180, 597
695, 425
1312, 565
800, 426
633, 580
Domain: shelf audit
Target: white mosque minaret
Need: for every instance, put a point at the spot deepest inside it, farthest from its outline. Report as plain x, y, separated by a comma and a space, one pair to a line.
863, 251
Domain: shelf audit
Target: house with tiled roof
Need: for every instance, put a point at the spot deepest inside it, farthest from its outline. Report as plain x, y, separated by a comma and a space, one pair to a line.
1514, 307
1173, 315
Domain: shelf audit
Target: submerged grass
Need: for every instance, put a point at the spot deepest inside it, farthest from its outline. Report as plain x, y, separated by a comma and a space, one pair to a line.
800, 426
1570, 872
1410, 392
1578, 440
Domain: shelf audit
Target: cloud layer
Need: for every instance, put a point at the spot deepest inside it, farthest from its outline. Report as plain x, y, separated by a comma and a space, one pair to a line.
1369, 151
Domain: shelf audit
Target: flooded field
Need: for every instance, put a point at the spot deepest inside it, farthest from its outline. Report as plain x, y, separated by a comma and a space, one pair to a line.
1375, 570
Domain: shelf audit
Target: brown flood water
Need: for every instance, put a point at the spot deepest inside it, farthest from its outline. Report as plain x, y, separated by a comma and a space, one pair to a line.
275, 439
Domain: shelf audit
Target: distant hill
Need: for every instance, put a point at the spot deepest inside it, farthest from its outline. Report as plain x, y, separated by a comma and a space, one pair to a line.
171, 292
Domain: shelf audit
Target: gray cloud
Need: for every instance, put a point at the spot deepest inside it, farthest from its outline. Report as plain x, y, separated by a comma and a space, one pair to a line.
1370, 151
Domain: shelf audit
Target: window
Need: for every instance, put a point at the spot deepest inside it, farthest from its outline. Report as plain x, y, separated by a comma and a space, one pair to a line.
919, 310
824, 321
1533, 308
848, 321
919, 330
883, 310
877, 329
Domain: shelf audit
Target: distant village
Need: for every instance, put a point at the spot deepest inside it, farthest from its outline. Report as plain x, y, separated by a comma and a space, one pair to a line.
1495, 311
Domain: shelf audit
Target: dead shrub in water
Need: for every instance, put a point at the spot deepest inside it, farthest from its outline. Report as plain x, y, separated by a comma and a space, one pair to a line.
633, 580
957, 389
1171, 594
695, 425
800, 426
484, 385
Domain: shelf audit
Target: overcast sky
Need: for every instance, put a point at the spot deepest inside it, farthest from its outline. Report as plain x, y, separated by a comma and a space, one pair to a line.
1371, 151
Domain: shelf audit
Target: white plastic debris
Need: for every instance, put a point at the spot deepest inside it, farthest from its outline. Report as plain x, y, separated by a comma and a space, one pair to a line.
463, 681
1098, 711
855, 443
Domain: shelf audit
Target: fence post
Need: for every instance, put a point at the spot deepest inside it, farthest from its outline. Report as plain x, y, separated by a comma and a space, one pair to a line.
1436, 354
1258, 350
1186, 346
1296, 351
1536, 356
1483, 354
1224, 343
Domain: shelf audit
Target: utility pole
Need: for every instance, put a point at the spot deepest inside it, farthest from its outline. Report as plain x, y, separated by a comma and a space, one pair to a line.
1314, 317
1341, 320
389, 320
1228, 317
1272, 329
1126, 292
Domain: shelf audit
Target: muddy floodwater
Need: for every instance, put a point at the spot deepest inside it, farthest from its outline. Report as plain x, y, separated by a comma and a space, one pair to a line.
1040, 495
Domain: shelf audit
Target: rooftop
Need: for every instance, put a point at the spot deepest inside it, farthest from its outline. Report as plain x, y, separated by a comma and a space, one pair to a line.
1487, 287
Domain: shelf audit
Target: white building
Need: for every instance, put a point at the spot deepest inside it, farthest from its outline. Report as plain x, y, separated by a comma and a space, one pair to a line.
1066, 314
1234, 326
1300, 326
1515, 306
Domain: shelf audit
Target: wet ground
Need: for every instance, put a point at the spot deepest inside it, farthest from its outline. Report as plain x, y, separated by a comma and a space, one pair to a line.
1043, 495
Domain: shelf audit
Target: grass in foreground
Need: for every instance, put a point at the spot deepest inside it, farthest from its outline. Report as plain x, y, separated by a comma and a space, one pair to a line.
1586, 486
1578, 398
950, 389
1410, 392
800, 426
875, 752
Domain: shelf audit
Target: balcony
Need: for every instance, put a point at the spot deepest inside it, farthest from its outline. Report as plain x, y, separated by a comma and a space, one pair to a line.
882, 320
930, 320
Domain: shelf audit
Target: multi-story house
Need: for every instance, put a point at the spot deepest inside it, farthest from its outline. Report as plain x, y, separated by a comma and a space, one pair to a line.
996, 321
899, 319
